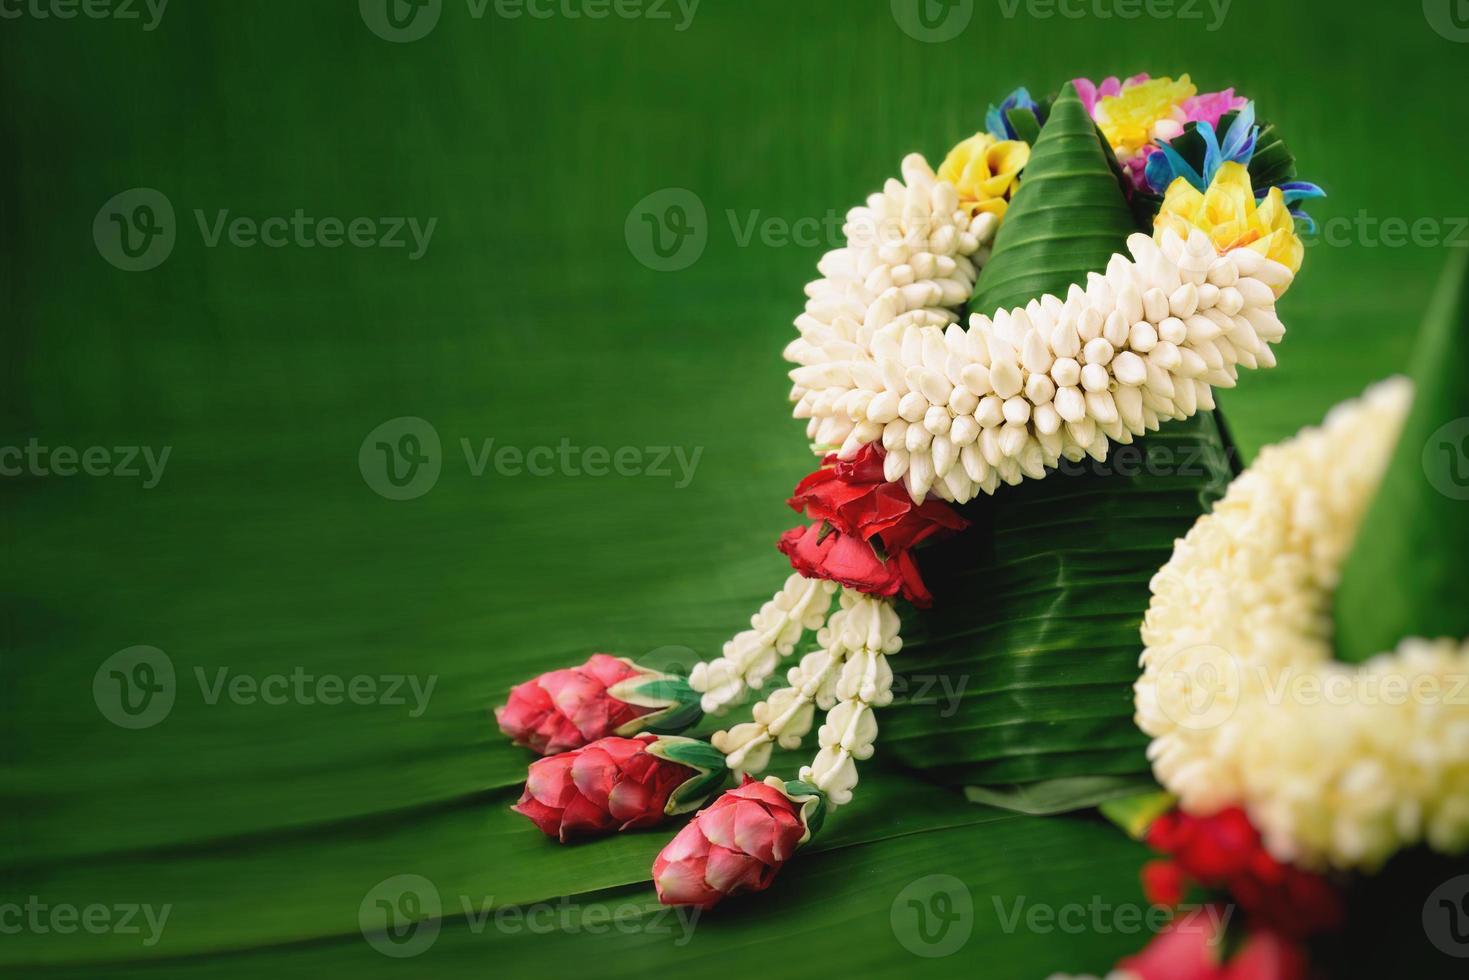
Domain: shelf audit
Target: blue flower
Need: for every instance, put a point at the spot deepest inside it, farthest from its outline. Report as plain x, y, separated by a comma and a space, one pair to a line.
996, 120
1238, 146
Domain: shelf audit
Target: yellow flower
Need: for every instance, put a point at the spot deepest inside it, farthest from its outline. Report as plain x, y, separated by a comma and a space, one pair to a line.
1227, 212
986, 171
1127, 120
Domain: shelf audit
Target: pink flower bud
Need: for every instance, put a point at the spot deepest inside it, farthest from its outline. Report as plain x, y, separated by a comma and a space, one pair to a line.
566, 709
738, 843
619, 784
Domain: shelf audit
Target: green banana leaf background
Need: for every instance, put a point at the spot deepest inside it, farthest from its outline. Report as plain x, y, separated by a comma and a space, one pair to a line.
605, 223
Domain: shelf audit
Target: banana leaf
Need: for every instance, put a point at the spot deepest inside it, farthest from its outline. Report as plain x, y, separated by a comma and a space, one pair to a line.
1418, 522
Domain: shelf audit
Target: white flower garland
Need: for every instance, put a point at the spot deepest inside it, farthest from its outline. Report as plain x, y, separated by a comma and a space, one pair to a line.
751, 656
1337, 764
883, 358
847, 677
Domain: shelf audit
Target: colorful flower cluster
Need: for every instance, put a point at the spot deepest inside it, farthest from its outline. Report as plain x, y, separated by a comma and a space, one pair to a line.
1162, 130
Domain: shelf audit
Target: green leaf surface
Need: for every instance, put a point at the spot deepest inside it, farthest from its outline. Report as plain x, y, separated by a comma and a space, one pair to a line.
1052, 796
1067, 219
1418, 523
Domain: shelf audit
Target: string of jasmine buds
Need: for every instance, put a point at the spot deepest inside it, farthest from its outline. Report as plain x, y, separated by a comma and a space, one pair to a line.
865, 631
752, 655
960, 411
911, 252
785, 717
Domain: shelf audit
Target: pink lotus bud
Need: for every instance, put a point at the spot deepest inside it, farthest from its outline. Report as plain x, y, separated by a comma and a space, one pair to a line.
619, 784
738, 843
566, 709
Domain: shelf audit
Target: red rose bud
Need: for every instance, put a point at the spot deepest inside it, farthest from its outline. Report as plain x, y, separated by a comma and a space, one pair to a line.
619, 784
738, 843
865, 528
820, 552
566, 709
1224, 851
854, 497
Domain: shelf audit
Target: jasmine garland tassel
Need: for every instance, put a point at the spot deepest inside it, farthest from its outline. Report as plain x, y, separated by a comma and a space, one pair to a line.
913, 412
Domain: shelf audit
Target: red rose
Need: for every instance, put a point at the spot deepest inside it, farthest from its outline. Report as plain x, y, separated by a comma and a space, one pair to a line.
865, 528
819, 552
1191, 948
1224, 851
617, 784
566, 709
853, 497
736, 844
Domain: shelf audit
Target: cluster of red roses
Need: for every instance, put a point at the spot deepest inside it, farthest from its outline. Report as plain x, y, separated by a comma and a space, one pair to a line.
864, 528
1282, 904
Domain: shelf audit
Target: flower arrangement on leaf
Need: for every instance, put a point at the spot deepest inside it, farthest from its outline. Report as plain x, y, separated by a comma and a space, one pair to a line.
951, 351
